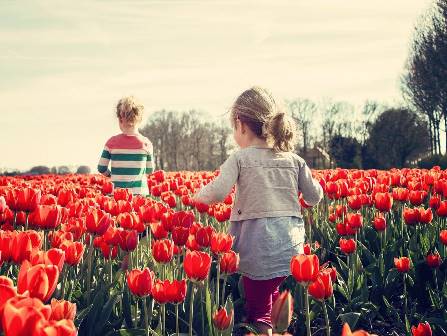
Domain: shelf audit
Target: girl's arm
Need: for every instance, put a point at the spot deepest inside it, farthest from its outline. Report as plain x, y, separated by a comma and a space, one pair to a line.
150, 164
221, 186
309, 187
103, 164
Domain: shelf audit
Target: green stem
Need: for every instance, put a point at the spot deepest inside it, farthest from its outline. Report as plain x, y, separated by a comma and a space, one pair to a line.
218, 280
163, 319
405, 297
64, 279
111, 268
146, 324
177, 331
89, 268
223, 291
191, 306
26, 221
306, 307
326, 319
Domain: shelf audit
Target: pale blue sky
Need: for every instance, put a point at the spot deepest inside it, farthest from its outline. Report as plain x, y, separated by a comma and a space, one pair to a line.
63, 65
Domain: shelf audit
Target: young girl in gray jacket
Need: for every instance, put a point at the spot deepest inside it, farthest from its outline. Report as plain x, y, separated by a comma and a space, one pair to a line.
266, 219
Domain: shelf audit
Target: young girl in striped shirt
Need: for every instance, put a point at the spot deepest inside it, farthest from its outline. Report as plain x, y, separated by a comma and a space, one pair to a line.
130, 154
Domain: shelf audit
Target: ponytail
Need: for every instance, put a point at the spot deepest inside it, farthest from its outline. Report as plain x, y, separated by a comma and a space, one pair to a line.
281, 132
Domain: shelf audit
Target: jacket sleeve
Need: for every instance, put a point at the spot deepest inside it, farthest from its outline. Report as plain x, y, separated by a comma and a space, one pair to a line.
221, 186
309, 187
103, 164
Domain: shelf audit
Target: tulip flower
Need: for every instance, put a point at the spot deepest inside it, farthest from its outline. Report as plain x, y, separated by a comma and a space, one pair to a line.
53, 256
203, 236
321, 288
158, 231
442, 210
163, 250
140, 282
383, 201
62, 327
355, 220
22, 315
433, 260
180, 235
229, 262
46, 217
62, 310
39, 280
21, 247
128, 240
23, 199
130, 221
221, 319
282, 312
379, 223
73, 252
122, 194
221, 242
443, 237
347, 246
402, 264
422, 329
197, 265
107, 188
305, 268
97, 221
346, 331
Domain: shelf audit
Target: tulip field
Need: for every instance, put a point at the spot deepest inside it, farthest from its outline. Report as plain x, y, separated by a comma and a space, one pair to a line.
78, 257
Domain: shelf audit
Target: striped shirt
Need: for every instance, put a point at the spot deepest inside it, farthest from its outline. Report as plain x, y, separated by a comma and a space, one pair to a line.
130, 158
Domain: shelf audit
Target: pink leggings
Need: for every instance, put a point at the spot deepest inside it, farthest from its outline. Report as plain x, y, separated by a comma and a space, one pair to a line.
259, 298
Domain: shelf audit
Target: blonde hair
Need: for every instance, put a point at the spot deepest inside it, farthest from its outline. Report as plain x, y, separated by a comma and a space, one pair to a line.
257, 108
129, 110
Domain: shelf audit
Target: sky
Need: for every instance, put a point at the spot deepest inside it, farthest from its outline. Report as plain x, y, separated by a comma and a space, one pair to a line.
64, 65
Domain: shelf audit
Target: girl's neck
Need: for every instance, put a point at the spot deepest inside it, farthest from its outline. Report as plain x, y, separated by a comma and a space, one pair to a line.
257, 142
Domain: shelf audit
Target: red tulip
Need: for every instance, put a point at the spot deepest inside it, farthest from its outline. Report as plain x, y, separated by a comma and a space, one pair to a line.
58, 237
159, 293
23, 199
7, 291
354, 202
417, 197
402, 264
180, 235
400, 194
197, 265
122, 194
411, 216
346, 331
282, 311
40, 280
183, 219
442, 210
65, 196
175, 291
354, 220
163, 250
128, 240
22, 315
61, 310
434, 202
229, 262
73, 252
53, 256
423, 329
443, 237
379, 223
97, 221
130, 221
158, 230
426, 215
304, 268
221, 319
46, 217
140, 282
107, 188
321, 288
383, 201
21, 247
60, 328
433, 260
221, 242
347, 246
203, 235
3, 205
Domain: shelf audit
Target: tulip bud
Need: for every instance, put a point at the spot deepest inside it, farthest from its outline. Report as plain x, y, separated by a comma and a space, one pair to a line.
282, 312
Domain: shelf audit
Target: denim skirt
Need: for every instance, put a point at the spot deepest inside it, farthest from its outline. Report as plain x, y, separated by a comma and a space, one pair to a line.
266, 245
